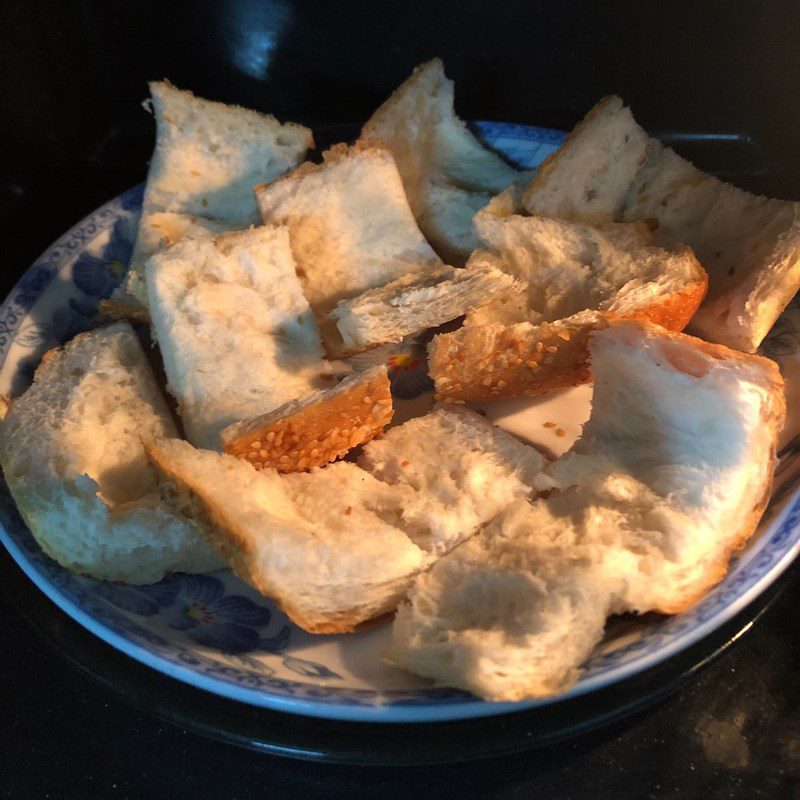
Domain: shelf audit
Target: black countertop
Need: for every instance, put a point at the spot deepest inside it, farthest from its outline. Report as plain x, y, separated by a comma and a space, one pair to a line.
71, 137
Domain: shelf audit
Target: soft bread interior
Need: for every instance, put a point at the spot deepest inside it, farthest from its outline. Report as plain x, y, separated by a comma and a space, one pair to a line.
609, 169
235, 331
670, 476
340, 545
73, 460
448, 174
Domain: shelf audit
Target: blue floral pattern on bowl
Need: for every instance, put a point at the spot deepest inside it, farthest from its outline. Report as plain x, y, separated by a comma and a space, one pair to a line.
213, 631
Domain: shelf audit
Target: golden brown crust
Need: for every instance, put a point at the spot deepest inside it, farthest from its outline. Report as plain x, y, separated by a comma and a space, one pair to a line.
489, 361
317, 433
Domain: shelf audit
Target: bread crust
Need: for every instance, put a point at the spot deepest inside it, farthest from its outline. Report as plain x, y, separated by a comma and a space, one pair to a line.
490, 361
333, 423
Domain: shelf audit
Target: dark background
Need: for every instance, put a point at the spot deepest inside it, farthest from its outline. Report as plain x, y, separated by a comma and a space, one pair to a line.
72, 135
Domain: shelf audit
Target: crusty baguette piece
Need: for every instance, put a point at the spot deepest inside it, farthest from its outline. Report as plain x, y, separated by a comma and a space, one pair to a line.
340, 545
316, 429
609, 169
350, 223
448, 174
235, 331
73, 460
208, 155
416, 302
670, 476
577, 274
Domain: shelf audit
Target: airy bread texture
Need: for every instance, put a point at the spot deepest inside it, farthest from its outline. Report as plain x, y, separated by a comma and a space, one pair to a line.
416, 302
340, 545
235, 331
158, 230
351, 227
73, 460
209, 155
577, 274
464, 470
609, 169
670, 476
448, 174
316, 429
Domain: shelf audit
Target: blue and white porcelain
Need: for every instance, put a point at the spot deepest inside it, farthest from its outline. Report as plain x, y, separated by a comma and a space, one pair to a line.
216, 633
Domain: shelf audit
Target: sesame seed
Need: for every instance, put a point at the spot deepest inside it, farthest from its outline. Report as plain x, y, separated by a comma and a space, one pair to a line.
502, 384
270, 436
263, 453
366, 399
314, 453
560, 432
303, 462
258, 464
255, 445
487, 381
552, 349
548, 360
564, 335
549, 424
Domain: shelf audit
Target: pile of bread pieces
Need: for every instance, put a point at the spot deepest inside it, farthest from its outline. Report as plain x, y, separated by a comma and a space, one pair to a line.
260, 273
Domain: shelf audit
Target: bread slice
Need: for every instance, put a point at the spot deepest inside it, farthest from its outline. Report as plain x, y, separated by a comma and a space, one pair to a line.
158, 230
235, 331
448, 174
670, 476
577, 274
72, 457
209, 155
325, 545
609, 169
340, 545
416, 302
463, 469
351, 227
315, 429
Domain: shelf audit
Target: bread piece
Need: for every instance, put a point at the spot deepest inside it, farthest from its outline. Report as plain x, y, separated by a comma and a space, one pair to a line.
671, 474
235, 331
325, 544
339, 546
73, 460
208, 155
351, 227
609, 169
316, 429
448, 174
463, 469
416, 302
577, 274
158, 230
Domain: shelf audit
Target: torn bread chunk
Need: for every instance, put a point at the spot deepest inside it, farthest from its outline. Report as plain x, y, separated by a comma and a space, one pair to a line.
315, 429
670, 476
325, 545
463, 469
158, 231
208, 155
448, 174
350, 223
609, 169
340, 545
72, 456
235, 331
577, 274
416, 302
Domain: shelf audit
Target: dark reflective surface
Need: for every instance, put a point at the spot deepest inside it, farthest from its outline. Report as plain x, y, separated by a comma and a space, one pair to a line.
72, 135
